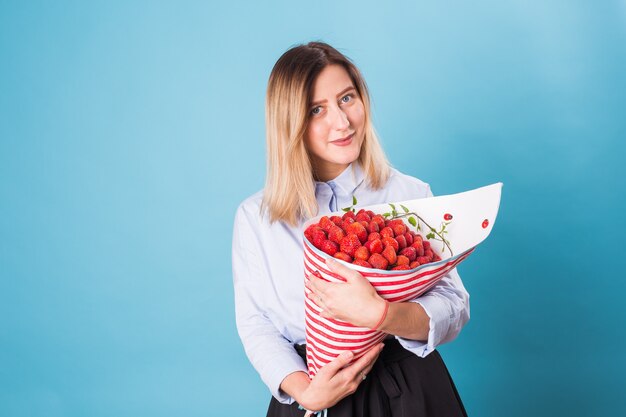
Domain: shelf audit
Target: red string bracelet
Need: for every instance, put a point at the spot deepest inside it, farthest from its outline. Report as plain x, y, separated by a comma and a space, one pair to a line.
382, 318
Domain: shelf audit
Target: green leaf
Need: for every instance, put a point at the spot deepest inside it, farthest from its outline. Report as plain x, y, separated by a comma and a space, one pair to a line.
419, 226
412, 221
432, 230
346, 209
392, 207
385, 215
353, 200
430, 236
406, 210
394, 213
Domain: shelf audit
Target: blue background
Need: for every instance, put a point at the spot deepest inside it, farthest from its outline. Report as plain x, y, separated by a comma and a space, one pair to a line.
130, 132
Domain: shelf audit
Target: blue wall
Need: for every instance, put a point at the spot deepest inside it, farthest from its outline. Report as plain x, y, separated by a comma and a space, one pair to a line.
130, 132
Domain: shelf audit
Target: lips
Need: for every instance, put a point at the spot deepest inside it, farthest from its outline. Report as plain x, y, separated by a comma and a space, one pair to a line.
343, 141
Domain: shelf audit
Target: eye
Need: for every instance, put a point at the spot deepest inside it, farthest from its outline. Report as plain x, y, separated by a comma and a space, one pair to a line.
347, 98
316, 110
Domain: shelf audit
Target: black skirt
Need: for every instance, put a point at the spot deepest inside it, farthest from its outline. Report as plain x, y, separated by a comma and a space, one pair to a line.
400, 384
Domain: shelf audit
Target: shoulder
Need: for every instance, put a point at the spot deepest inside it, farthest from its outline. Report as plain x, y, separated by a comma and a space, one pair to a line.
408, 184
250, 208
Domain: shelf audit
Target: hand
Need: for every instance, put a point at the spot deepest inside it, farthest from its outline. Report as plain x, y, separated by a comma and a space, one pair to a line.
354, 301
335, 380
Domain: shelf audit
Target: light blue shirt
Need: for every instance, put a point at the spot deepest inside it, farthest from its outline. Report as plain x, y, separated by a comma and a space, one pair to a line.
268, 274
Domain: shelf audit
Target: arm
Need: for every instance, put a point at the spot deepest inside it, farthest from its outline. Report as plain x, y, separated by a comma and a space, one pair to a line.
446, 307
270, 353
419, 325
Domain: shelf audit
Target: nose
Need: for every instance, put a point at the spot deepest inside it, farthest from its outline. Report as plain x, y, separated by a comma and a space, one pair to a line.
340, 121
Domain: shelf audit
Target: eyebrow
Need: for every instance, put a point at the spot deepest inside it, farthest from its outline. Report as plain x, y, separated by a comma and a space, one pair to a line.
342, 92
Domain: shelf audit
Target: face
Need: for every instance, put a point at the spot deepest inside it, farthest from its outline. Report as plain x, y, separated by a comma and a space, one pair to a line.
336, 123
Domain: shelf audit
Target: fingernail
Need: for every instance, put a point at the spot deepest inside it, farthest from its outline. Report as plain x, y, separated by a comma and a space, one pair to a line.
347, 354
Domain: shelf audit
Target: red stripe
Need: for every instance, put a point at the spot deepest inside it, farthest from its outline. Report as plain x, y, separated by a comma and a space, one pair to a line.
324, 269
321, 323
335, 339
421, 291
333, 321
317, 341
311, 344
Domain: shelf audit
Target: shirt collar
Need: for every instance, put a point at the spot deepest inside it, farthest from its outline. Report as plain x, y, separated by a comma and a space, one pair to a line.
347, 182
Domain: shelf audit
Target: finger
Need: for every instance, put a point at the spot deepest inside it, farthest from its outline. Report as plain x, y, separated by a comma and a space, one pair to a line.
342, 270
317, 284
365, 361
331, 368
325, 314
317, 300
369, 367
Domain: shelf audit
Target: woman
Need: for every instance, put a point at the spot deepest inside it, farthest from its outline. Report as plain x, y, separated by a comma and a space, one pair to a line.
322, 151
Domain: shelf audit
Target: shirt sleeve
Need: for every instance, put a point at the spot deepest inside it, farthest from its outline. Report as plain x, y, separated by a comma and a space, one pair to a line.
272, 355
447, 306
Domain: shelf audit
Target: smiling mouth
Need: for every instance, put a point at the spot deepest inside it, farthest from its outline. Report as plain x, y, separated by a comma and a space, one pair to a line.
343, 140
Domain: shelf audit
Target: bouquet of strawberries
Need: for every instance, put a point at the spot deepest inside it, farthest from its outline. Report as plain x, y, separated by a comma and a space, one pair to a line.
403, 249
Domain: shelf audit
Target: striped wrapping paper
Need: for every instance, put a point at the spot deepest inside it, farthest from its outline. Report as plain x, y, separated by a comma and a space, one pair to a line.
474, 215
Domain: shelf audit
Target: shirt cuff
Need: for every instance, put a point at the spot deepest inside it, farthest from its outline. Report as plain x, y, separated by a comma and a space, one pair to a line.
439, 325
279, 372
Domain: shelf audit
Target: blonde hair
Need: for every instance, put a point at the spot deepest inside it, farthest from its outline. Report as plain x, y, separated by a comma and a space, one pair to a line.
289, 193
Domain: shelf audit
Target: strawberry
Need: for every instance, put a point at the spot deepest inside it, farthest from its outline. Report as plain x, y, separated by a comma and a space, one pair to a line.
401, 268
348, 215
410, 252
380, 220
399, 228
308, 233
419, 247
373, 235
359, 230
350, 244
372, 227
386, 232
325, 223
436, 258
336, 219
402, 260
329, 247
336, 234
422, 260
345, 223
426, 245
429, 254
371, 213
361, 262
414, 264
343, 256
374, 246
409, 238
378, 261
389, 241
362, 253
390, 254
363, 216
401, 241
319, 236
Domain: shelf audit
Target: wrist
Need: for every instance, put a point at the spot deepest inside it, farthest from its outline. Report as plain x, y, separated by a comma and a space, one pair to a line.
381, 314
295, 384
